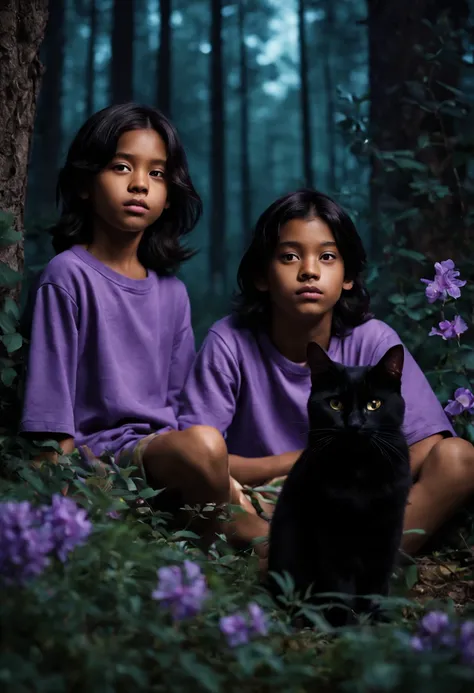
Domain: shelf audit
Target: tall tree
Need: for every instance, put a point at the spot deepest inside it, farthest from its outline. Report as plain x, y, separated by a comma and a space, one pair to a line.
90, 67
400, 71
329, 33
23, 25
307, 152
244, 129
123, 35
218, 264
164, 58
46, 149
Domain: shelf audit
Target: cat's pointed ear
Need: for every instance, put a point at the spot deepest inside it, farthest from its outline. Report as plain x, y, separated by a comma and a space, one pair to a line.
318, 361
392, 362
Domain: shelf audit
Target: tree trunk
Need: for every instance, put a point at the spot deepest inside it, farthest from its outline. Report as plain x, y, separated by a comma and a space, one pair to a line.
405, 88
123, 36
245, 184
218, 264
304, 91
329, 30
23, 25
47, 138
90, 68
164, 58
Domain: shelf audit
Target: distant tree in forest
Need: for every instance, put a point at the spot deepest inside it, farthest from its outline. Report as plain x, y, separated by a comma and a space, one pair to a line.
217, 247
121, 65
46, 148
90, 66
245, 182
164, 58
307, 149
23, 25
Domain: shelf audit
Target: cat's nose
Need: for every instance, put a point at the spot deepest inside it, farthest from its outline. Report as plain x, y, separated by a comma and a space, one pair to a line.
354, 422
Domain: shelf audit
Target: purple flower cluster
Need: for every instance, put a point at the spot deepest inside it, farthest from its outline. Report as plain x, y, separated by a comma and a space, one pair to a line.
68, 525
239, 628
463, 401
181, 589
449, 329
29, 536
445, 282
437, 632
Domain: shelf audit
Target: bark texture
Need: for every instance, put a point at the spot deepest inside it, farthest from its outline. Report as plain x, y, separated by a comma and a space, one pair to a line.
22, 28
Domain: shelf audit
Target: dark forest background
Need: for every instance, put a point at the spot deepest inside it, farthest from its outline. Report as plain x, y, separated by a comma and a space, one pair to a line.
269, 96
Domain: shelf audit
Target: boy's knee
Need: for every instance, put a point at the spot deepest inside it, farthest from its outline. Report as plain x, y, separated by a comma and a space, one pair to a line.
208, 452
452, 459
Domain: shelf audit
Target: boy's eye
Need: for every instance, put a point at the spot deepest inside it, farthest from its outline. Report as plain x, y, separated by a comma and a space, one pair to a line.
336, 404
157, 174
328, 256
374, 404
120, 167
288, 257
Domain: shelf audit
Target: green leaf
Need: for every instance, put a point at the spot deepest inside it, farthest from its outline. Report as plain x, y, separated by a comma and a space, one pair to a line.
396, 299
9, 237
149, 493
183, 534
8, 376
411, 576
412, 254
8, 276
12, 342
8, 323
12, 308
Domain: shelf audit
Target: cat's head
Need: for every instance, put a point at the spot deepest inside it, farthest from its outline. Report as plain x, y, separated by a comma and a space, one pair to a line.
356, 400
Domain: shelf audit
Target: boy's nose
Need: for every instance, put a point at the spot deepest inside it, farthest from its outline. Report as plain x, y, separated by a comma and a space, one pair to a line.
309, 272
138, 184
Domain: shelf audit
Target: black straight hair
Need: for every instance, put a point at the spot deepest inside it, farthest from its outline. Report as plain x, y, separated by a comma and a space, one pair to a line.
253, 307
93, 147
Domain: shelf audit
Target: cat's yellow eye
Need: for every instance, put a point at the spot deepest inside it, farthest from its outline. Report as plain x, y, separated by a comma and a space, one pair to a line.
374, 404
336, 404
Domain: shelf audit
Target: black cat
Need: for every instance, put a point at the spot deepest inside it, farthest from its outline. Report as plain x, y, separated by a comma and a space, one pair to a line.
338, 521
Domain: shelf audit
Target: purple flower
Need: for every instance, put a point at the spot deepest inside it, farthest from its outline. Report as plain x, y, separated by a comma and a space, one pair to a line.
466, 642
419, 644
240, 627
24, 542
257, 619
463, 401
434, 623
449, 329
68, 525
445, 282
181, 589
235, 629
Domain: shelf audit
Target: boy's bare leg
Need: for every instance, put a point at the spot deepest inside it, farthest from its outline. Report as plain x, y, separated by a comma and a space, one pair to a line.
195, 462
446, 479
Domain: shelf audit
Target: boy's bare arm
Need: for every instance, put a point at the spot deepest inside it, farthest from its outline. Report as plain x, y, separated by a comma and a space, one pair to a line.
254, 471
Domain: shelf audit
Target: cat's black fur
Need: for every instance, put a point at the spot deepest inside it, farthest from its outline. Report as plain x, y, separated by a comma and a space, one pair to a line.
338, 521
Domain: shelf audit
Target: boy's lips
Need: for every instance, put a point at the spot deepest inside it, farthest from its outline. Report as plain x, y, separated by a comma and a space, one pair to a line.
309, 289
136, 206
309, 293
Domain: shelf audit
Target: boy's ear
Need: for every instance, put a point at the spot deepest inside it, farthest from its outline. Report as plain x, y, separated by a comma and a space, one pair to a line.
348, 285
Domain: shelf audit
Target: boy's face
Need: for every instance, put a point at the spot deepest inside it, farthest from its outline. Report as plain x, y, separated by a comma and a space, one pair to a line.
305, 277
135, 174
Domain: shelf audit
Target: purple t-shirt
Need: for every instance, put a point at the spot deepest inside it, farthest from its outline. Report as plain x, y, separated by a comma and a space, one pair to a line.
242, 385
108, 355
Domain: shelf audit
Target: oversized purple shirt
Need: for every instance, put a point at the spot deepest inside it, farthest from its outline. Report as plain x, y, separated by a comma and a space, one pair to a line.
243, 386
108, 354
